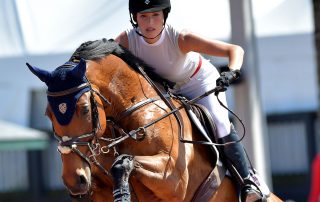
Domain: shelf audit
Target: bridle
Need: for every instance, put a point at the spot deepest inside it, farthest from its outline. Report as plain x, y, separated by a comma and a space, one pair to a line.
68, 144
112, 122
92, 141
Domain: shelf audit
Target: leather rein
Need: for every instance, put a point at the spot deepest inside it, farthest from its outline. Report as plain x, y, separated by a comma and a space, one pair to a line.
91, 140
67, 144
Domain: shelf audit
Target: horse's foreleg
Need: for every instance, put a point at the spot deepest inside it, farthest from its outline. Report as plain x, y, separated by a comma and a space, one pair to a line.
162, 175
120, 171
157, 166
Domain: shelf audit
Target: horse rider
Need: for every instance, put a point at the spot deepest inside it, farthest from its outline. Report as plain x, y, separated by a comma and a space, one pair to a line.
175, 55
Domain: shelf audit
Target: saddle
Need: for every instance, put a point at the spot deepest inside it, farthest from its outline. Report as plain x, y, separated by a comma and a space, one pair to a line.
203, 121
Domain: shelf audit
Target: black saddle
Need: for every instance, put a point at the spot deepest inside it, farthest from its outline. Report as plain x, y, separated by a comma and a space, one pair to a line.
203, 121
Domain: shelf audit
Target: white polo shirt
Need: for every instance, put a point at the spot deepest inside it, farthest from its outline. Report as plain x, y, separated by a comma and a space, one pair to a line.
164, 55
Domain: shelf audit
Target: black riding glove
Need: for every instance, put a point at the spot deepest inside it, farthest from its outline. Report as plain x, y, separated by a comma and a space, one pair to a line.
226, 78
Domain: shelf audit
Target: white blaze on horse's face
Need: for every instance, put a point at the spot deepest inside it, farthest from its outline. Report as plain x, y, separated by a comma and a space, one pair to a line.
64, 149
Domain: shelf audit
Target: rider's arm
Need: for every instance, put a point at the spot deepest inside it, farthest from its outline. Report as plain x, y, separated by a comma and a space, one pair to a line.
122, 39
189, 41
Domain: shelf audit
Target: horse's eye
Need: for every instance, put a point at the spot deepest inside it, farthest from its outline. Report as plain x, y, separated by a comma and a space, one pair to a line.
85, 110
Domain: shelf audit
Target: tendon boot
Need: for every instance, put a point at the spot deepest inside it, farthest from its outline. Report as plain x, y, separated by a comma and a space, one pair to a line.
237, 165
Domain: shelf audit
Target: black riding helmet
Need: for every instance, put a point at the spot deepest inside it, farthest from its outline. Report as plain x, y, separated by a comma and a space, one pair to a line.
144, 6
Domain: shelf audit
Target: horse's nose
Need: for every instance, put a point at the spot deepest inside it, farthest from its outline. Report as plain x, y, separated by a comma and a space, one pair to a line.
83, 182
78, 184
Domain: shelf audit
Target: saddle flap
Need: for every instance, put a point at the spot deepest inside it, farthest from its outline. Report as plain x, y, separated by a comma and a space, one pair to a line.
210, 185
202, 119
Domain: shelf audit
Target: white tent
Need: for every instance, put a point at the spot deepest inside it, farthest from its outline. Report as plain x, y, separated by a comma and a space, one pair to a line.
29, 27
16, 137
45, 33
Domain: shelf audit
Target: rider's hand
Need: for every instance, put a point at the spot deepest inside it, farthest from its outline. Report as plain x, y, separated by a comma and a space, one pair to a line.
226, 78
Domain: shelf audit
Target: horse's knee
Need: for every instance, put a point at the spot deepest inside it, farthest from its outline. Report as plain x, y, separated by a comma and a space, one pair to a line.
122, 167
120, 171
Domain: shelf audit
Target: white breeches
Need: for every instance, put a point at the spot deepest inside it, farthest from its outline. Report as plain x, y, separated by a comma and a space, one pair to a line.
202, 82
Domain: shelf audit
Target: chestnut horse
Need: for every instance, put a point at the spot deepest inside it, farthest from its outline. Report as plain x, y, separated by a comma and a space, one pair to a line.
119, 140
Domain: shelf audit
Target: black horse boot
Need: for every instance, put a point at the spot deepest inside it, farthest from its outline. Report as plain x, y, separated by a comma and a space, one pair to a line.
236, 162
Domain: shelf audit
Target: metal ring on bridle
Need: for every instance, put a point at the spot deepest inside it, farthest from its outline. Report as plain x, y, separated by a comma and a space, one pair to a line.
105, 149
141, 136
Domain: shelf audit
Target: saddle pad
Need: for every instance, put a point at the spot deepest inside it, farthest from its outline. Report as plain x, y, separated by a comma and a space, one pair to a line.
210, 185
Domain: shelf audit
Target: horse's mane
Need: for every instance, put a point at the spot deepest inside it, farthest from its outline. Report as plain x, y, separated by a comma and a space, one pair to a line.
98, 49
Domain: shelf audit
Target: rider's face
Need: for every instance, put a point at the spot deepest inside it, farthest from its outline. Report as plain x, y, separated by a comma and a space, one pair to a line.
150, 24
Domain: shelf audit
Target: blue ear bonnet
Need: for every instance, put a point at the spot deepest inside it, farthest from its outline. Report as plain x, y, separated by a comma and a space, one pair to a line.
64, 107
63, 78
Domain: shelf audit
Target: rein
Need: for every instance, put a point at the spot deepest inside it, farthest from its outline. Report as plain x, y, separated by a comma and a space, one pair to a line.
174, 111
67, 144
138, 134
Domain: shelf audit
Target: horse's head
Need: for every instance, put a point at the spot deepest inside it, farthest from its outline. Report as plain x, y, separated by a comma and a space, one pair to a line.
74, 108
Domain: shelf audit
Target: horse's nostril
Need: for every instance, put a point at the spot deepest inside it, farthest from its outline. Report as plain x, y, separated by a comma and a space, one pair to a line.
83, 180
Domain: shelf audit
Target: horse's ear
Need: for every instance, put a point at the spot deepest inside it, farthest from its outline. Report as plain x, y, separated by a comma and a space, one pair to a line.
43, 75
79, 71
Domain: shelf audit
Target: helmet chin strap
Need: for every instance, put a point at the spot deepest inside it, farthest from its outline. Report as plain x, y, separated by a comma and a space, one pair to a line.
148, 37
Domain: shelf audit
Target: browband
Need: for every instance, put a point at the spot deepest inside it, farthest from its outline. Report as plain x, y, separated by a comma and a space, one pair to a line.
68, 91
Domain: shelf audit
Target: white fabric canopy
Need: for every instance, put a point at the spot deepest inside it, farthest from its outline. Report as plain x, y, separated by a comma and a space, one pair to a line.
29, 27
16, 137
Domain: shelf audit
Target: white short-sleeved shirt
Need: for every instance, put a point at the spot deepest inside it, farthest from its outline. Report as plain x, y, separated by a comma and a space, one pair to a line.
169, 62
164, 55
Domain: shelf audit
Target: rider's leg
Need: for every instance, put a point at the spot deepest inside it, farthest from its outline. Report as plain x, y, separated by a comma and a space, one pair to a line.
236, 161
234, 154
200, 84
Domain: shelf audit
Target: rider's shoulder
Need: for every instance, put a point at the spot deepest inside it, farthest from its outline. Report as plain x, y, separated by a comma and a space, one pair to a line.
122, 39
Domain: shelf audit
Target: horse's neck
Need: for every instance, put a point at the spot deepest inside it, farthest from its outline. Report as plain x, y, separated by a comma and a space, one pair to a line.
122, 85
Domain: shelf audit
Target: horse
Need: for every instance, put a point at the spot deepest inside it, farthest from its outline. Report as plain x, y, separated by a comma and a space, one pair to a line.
120, 138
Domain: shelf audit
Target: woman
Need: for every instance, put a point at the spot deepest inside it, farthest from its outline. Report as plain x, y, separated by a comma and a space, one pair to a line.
175, 56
